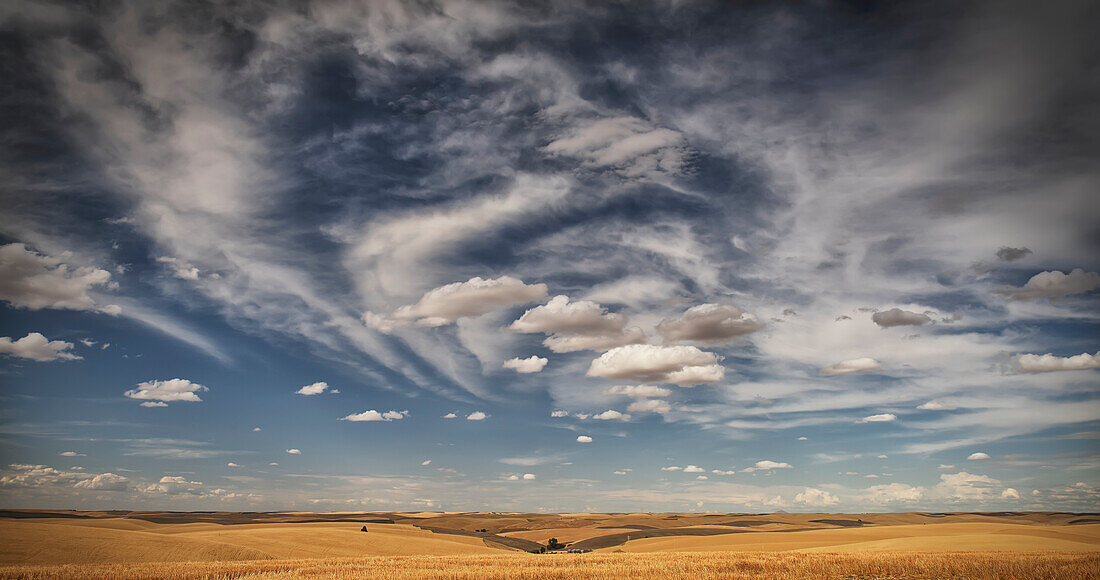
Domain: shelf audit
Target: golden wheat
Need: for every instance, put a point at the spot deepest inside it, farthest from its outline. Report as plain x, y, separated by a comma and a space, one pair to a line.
727, 565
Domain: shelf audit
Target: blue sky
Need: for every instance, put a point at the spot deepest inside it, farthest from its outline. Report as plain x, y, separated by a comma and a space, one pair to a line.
653, 256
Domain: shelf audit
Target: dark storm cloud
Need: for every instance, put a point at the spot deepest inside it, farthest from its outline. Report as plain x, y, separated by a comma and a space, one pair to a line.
1009, 254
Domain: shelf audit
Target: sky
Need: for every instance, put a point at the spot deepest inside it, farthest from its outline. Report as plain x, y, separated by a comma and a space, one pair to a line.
550, 256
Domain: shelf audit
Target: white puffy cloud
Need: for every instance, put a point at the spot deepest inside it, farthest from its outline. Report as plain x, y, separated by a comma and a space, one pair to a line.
812, 496
71, 454
476, 416
1010, 493
373, 415
559, 315
611, 415
694, 469
446, 304
709, 324
702, 478
528, 476
33, 281
892, 492
963, 485
36, 347
584, 439
649, 406
977, 456
558, 413
293, 451
767, 465
681, 365
231, 464
672, 468
160, 393
1055, 284
880, 418
580, 325
899, 317
450, 416
104, 482
513, 478
935, 405
314, 389
851, 366
597, 342
638, 391
1033, 363
532, 364
426, 463
730, 471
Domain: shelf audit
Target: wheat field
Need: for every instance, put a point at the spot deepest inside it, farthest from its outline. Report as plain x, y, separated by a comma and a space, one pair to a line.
224, 545
727, 565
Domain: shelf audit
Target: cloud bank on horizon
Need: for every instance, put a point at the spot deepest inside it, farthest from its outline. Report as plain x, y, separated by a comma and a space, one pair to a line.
827, 244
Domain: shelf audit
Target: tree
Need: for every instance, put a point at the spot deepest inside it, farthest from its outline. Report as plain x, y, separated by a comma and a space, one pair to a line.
554, 545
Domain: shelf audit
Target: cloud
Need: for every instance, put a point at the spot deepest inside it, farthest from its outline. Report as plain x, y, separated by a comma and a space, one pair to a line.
373, 415
293, 451
476, 416
71, 454
36, 347
528, 365
580, 325
1010, 493
880, 418
851, 366
977, 456
611, 415
584, 439
1032, 363
160, 393
935, 405
899, 317
231, 464
672, 468
629, 145
812, 496
446, 304
314, 389
104, 482
1009, 254
450, 416
767, 465
1055, 284
709, 324
963, 485
558, 413
649, 406
528, 476
892, 493
33, 281
730, 471
680, 365
257, 429
180, 269
426, 462
638, 391
532, 460
694, 469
